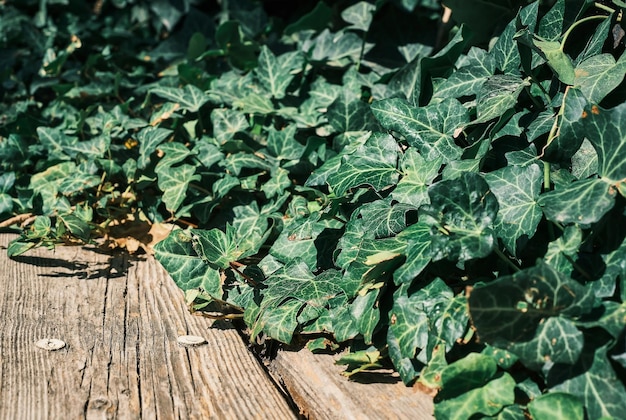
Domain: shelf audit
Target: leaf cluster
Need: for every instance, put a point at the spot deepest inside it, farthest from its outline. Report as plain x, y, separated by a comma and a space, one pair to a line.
446, 198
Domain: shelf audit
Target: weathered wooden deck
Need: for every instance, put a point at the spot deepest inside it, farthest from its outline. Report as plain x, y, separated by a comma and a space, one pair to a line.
120, 318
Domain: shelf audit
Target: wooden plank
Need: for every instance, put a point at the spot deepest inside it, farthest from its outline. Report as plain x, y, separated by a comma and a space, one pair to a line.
120, 318
316, 385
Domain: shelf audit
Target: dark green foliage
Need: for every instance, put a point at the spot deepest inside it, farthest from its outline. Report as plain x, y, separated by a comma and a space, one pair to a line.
446, 198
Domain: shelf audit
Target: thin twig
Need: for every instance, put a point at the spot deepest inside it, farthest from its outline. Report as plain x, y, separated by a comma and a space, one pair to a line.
16, 220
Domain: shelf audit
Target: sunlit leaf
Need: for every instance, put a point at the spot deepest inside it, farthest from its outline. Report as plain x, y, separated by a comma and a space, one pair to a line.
516, 189
189, 98
430, 130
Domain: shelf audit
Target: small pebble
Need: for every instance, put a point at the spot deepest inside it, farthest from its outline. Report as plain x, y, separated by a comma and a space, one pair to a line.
50, 344
191, 340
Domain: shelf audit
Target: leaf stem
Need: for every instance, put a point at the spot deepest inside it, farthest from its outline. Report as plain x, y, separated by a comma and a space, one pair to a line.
571, 28
506, 259
604, 7
546, 176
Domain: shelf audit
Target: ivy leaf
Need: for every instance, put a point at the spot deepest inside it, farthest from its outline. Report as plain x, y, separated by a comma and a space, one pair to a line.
583, 202
295, 281
429, 129
409, 322
585, 161
177, 255
47, 183
521, 301
62, 146
255, 103
598, 75
275, 74
174, 182
497, 95
174, 153
279, 322
505, 50
556, 405
283, 145
590, 377
359, 15
220, 248
516, 189
350, 115
373, 164
289, 290
562, 251
190, 98
366, 312
227, 123
417, 175
557, 341
418, 252
461, 216
384, 219
606, 130
405, 366
468, 79
310, 240
76, 226
149, 138
552, 52
571, 136
471, 385
331, 47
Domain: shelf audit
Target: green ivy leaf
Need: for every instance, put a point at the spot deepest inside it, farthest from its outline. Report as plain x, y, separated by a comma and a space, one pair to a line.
372, 164
189, 98
227, 123
283, 145
417, 175
431, 130
63, 146
516, 189
409, 323
359, 15
332, 47
505, 50
591, 377
605, 129
521, 301
556, 405
497, 95
345, 114
275, 74
384, 219
598, 75
557, 341
366, 312
583, 202
471, 385
418, 252
174, 182
571, 136
461, 216
468, 79
76, 226
177, 255
149, 138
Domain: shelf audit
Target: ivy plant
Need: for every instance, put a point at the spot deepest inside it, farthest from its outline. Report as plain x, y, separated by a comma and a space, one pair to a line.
445, 197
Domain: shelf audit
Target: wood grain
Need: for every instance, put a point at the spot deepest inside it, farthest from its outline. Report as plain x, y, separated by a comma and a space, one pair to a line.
120, 318
316, 385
